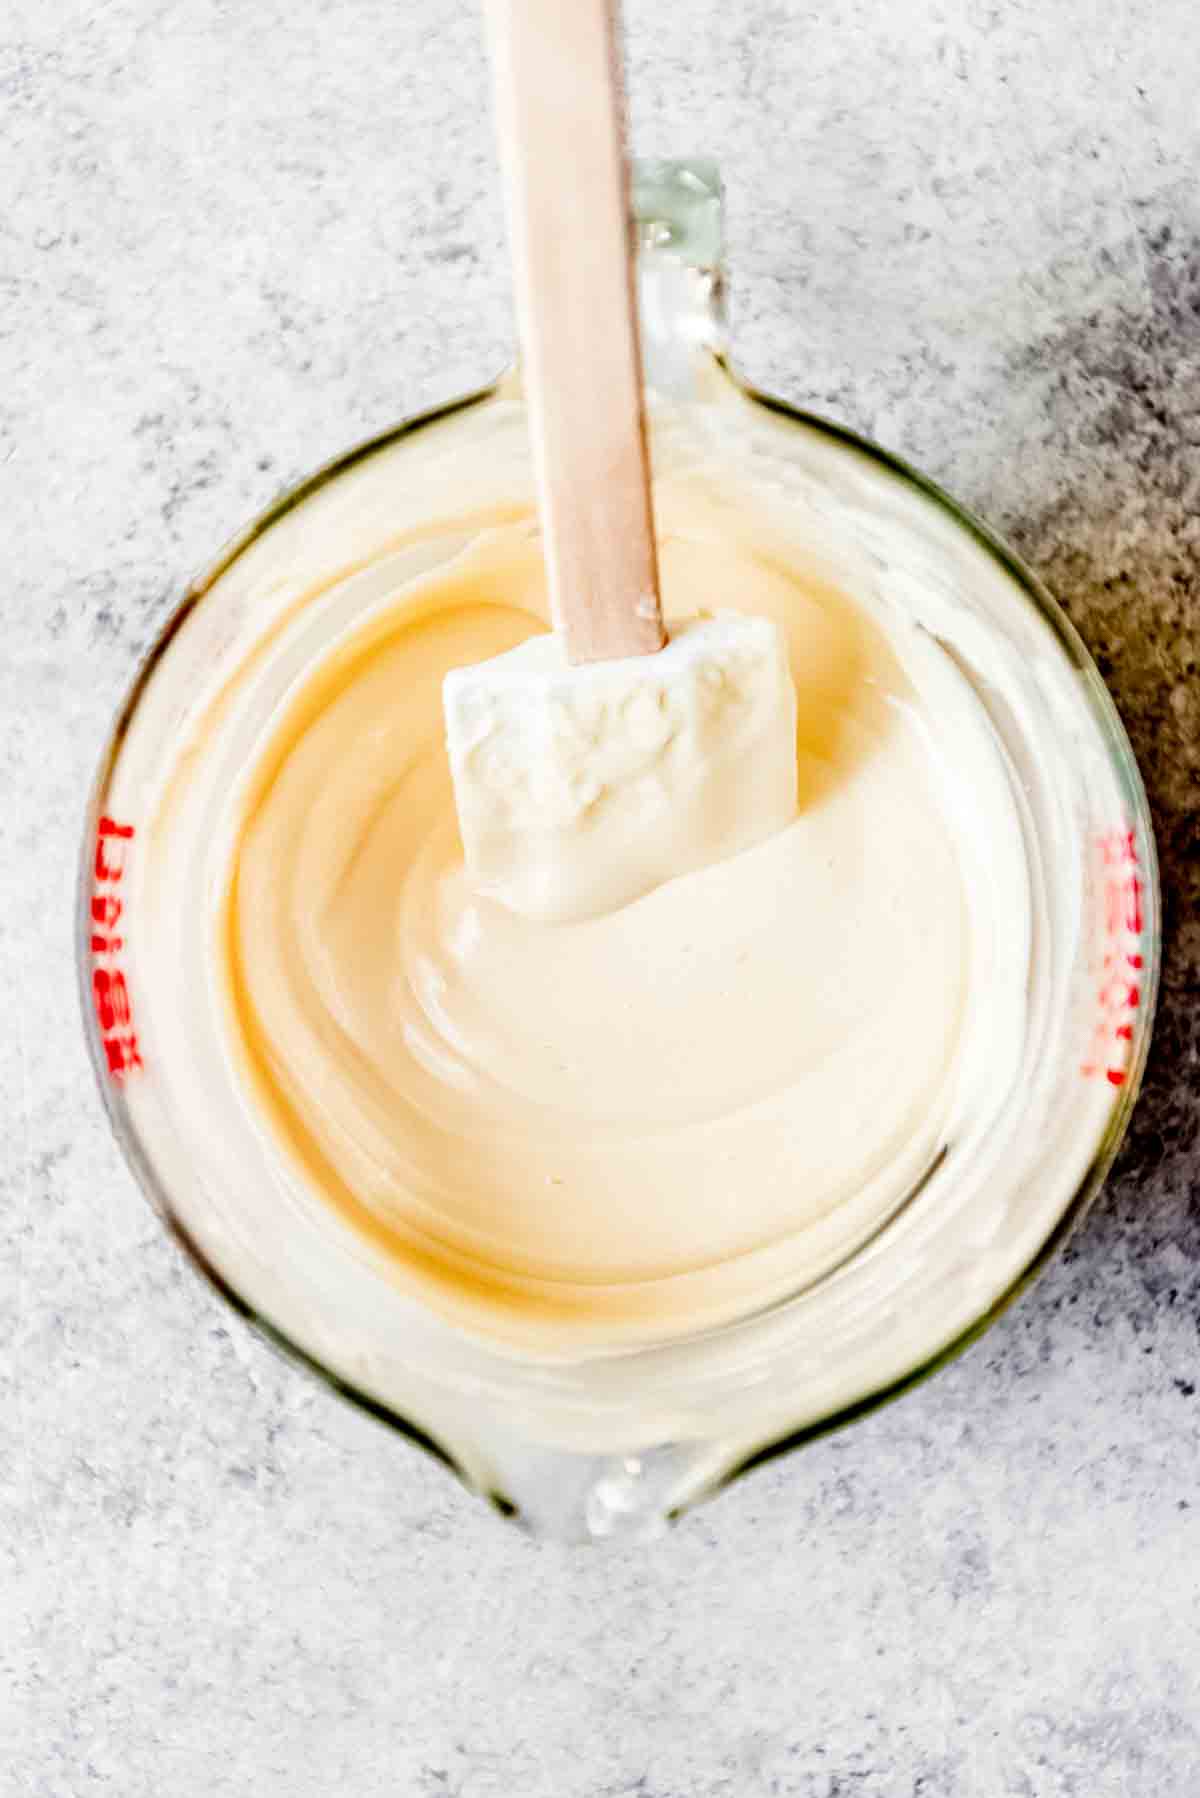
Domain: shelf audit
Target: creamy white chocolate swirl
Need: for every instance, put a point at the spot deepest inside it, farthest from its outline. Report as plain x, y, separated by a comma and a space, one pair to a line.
638, 1126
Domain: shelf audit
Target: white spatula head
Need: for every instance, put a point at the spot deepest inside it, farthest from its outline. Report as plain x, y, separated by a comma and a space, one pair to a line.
579, 789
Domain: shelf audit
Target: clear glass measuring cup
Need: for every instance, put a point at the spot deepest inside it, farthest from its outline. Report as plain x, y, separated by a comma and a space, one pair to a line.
616, 1443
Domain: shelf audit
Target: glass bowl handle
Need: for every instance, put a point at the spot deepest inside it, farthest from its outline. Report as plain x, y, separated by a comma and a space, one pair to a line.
678, 221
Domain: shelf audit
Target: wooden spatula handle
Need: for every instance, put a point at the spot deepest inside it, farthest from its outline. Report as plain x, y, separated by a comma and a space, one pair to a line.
561, 130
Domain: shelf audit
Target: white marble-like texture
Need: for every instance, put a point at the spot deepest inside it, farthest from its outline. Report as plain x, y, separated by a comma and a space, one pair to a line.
232, 240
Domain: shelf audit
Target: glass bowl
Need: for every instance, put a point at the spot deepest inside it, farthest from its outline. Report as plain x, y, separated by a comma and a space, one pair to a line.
617, 1442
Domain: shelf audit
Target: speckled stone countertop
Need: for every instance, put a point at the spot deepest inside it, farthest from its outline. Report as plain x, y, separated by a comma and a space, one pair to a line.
235, 239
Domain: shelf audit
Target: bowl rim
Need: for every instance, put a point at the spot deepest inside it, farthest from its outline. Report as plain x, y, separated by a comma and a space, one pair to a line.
1036, 594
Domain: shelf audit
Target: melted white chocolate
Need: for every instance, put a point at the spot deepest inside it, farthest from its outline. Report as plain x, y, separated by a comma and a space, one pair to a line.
619, 1130
636, 1119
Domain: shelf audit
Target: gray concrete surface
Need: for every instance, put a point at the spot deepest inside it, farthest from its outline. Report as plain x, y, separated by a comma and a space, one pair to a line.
232, 240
